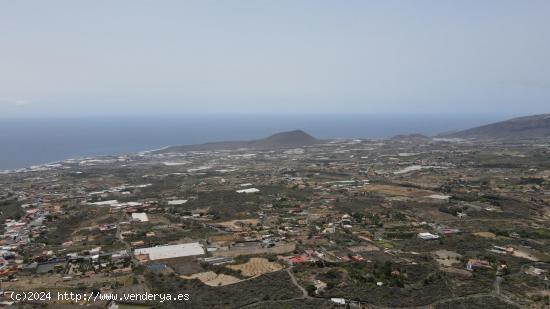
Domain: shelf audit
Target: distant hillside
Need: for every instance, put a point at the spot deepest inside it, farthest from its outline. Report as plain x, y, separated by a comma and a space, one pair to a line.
291, 138
411, 137
288, 139
529, 127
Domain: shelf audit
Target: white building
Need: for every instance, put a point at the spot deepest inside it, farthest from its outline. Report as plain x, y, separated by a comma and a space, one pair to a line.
427, 236
105, 203
339, 301
140, 217
177, 202
249, 190
171, 251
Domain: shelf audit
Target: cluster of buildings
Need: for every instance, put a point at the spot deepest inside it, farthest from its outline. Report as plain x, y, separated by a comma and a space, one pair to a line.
343, 202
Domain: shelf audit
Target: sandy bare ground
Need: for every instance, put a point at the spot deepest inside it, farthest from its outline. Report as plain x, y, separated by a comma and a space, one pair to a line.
525, 254
256, 267
447, 258
486, 235
253, 268
236, 225
212, 279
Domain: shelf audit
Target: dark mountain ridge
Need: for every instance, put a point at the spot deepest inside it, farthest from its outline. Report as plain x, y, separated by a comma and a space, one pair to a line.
295, 138
528, 127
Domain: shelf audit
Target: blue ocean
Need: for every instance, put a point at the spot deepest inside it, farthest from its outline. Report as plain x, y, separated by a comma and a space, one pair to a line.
25, 142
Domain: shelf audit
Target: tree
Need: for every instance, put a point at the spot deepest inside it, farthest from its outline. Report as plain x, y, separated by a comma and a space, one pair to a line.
310, 288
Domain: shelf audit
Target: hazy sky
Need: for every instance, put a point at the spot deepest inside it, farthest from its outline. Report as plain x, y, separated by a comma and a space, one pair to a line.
173, 57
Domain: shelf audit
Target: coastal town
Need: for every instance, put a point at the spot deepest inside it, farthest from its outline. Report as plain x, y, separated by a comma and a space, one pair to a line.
361, 223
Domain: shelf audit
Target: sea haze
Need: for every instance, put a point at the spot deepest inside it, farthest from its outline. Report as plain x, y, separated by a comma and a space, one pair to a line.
25, 142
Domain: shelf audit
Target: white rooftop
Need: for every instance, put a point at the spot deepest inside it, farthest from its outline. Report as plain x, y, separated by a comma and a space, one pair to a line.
249, 190
140, 216
439, 196
427, 236
102, 203
171, 251
177, 202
